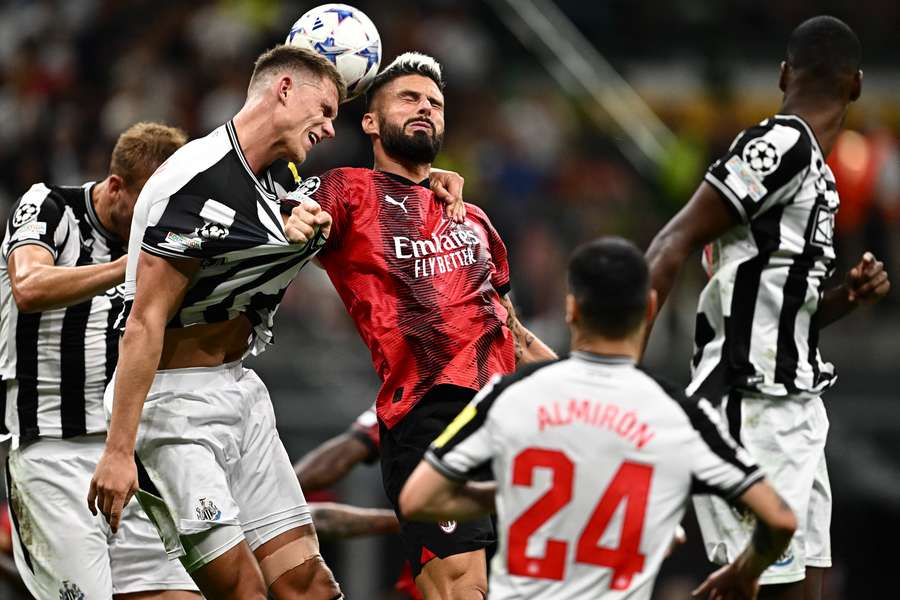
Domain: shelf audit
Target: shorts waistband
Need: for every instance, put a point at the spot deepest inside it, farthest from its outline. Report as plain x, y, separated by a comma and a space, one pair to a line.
201, 375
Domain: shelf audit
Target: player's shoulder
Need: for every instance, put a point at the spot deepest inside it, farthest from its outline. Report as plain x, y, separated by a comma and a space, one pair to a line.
196, 161
502, 385
477, 212
671, 394
780, 140
43, 198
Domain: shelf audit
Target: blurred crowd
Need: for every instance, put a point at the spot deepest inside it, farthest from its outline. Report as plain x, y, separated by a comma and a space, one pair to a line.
73, 75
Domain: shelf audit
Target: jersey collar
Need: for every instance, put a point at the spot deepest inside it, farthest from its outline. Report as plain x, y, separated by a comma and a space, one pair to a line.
425, 183
92, 217
606, 359
236, 145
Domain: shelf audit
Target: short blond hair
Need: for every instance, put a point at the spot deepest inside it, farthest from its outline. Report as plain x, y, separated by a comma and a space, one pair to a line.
141, 148
292, 58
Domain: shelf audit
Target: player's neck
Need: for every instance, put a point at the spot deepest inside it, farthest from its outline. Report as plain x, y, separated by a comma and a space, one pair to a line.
258, 142
582, 342
825, 118
102, 204
411, 171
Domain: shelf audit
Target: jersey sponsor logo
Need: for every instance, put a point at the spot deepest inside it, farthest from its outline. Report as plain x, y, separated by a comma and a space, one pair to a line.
447, 527
29, 231
400, 203
207, 510
743, 181
438, 254
761, 155
69, 590
24, 213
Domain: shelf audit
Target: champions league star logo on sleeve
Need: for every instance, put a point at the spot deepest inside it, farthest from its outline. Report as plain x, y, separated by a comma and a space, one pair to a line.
23, 214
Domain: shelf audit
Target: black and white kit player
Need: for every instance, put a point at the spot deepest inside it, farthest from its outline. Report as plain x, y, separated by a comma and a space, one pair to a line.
766, 214
594, 459
61, 271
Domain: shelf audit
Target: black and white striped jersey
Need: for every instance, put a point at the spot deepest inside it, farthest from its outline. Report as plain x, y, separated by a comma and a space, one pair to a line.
206, 203
57, 363
757, 326
594, 462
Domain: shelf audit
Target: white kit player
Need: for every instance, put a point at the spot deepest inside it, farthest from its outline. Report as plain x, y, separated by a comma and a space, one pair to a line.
594, 459
765, 213
209, 259
60, 273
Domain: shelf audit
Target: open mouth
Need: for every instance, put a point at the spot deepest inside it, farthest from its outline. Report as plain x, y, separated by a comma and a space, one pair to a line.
313, 138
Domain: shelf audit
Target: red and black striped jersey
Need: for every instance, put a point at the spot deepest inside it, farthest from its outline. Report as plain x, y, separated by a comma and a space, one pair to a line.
423, 290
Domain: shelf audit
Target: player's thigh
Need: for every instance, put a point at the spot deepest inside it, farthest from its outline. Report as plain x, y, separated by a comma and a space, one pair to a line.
263, 481
292, 566
457, 577
139, 561
233, 575
59, 546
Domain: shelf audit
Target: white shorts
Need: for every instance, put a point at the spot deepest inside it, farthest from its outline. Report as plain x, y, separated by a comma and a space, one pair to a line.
787, 439
59, 545
213, 470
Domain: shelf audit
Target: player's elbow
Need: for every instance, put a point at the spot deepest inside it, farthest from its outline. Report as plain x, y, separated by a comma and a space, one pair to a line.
28, 298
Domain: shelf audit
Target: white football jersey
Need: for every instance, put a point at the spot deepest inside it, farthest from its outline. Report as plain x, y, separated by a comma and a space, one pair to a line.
594, 462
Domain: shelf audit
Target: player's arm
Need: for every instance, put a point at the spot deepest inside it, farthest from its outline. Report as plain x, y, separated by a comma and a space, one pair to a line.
528, 347
440, 487
38, 284
329, 463
160, 287
865, 284
340, 521
430, 495
703, 219
775, 526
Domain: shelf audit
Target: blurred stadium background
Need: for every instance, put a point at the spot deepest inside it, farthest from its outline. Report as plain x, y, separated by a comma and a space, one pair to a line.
557, 152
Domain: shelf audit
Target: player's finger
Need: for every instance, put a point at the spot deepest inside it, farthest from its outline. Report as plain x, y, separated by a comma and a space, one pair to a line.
106, 501
323, 218
311, 206
441, 192
115, 515
702, 588
871, 285
868, 258
92, 497
299, 232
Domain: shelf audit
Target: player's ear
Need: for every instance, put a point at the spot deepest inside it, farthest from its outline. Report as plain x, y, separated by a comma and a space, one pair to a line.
652, 305
370, 124
285, 85
115, 184
783, 76
856, 86
571, 309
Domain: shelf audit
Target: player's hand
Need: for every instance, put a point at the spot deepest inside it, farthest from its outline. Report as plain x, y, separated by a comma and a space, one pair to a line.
305, 220
113, 485
447, 187
867, 282
729, 583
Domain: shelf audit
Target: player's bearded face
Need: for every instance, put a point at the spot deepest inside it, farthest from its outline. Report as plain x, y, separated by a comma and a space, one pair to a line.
409, 140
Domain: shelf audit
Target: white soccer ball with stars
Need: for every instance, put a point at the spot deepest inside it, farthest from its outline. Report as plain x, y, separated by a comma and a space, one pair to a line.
762, 156
345, 36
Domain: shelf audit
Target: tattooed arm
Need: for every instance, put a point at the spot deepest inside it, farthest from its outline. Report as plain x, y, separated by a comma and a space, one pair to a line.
529, 348
340, 521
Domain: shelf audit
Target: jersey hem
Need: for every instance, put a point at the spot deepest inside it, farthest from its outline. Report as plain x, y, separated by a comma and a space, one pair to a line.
15, 245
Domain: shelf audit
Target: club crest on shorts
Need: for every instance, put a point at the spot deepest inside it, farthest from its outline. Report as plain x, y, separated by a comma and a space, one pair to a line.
447, 526
70, 591
207, 510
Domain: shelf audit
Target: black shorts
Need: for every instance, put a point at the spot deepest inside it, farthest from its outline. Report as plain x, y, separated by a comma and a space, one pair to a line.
402, 449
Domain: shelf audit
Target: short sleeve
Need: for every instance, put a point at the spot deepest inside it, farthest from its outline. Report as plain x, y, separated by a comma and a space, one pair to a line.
366, 429
36, 218
499, 256
187, 226
466, 444
330, 191
719, 465
764, 167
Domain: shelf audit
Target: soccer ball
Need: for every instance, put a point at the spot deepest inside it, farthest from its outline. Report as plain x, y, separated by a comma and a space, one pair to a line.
345, 36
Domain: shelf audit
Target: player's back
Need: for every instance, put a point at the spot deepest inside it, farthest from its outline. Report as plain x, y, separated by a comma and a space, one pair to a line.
594, 463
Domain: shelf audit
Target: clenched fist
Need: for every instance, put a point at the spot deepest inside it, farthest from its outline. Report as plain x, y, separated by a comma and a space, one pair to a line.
305, 220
